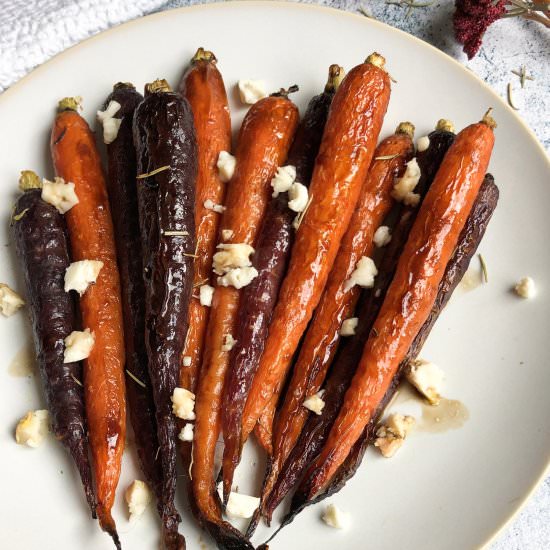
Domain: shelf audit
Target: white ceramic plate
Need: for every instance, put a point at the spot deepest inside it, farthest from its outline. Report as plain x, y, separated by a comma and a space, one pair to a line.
452, 489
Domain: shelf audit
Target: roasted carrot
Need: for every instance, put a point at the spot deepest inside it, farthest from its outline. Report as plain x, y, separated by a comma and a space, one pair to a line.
411, 294
346, 151
166, 150
338, 300
202, 85
42, 247
270, 260
76, 160
264, 140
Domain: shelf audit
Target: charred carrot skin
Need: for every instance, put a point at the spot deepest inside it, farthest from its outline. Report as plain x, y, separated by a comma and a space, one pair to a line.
42, 247
411, 294
90, 228
270, 259
264, 140
203, 87
164, 136
346, 150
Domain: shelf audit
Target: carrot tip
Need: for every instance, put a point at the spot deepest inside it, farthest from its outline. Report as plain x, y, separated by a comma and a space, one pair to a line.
377, 60
488, 119
70, 104
443, 124
406, 128
29, 180
158, 85
335, 76
204, 55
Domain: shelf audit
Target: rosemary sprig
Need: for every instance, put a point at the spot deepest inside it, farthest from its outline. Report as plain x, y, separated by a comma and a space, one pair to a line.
510, 97
483, 267
135, 378
153, 172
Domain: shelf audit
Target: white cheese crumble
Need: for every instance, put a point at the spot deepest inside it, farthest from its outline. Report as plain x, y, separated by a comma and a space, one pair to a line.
391, 436
238, 505
334, 517
251, 91
231, 256
186, 360
211, 205
238, 277
427, 378
206, 292
80, 275
526, 288
183, 404
363, 275
283, 179
315, 402
298, 197
226, 165
382, 236
186, 433
111, 125
59, 194
422, 143
78, 345
404, 186
138, 496
348, 326
10, 301
32, 428
228, 342
227, 234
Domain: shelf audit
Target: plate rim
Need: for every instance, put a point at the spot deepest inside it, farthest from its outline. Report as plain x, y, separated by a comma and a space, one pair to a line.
297, 4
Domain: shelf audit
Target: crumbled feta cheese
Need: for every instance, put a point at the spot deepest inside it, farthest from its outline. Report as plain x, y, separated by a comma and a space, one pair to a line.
238, 277
315, 402
226, 165
404, 186
391, 436
251, 91
78, 345
334, 517
348, 326
10, 301
138, 496
526, 288
283, 179
427, 378
183, 404
32, 428
231, 255
205, 295
211, 205
382, 236
363, 275
227, 234
298, 196
186, 360
111, 124
79, 275
422, 143
238, 505
59, 194
228, 342
186, 433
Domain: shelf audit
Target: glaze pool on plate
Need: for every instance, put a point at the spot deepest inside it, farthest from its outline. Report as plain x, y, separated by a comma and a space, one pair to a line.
443, 490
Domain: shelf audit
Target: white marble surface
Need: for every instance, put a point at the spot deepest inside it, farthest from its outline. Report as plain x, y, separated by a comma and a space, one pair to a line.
507, 46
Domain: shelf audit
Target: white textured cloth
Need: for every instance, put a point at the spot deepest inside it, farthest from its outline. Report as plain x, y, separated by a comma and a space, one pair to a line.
32, 31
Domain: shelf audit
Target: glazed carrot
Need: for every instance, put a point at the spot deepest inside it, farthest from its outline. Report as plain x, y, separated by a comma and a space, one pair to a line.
270, 260
76, 160
411, 294
263, 144
338, 300
346, 151
202, 85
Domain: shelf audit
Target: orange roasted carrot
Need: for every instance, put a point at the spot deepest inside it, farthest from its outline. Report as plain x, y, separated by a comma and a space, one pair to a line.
263, 143
202, 85
76, 160
338, 300
412, 293
346, 151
